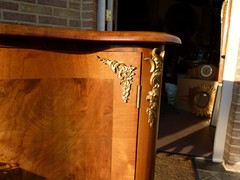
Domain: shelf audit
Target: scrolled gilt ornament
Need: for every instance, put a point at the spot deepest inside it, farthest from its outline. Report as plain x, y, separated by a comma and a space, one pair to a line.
124, 73
154, 95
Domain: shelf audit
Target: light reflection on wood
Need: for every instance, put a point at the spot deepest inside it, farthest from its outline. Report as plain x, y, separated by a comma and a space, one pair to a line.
52, 127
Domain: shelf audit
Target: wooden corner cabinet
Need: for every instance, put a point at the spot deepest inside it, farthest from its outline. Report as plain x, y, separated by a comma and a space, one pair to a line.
79, 104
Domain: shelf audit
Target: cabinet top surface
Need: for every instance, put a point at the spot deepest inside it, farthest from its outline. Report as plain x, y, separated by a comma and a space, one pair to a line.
88, 35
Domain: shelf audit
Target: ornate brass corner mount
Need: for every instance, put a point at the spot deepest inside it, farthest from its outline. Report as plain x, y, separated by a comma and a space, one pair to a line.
124, 73
156, 79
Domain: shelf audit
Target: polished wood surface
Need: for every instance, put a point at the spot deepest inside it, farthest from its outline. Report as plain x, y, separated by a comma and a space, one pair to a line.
115, 36
45, 84
52, 127
62, 112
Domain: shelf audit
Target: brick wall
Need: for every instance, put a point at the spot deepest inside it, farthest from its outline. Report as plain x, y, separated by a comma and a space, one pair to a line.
232, 144
72, 14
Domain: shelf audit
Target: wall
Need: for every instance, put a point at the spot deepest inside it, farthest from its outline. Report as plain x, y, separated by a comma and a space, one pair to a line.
227, 141
72, 14
232, 143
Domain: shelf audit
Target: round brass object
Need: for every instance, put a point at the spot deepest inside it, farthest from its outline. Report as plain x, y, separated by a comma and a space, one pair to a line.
206, 71
202, 100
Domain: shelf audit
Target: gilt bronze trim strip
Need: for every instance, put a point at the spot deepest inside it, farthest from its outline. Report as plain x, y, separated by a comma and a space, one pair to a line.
156, 79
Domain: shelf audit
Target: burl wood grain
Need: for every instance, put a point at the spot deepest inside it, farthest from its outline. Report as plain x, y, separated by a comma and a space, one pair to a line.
53, 76
57, 128
53, 114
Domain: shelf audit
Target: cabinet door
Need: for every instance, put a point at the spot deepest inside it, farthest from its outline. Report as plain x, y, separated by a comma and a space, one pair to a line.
63, 115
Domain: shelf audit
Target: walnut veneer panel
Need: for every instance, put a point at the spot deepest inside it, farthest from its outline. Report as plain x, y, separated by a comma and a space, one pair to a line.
55, 86
58, 128
32, 63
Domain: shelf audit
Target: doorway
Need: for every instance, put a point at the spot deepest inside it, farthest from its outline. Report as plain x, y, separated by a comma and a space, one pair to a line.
197, 23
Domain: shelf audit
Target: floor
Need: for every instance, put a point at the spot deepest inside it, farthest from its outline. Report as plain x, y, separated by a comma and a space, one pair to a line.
207, 170
182, 133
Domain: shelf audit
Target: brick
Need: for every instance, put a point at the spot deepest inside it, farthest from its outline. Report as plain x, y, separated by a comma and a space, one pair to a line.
87, 15
46, 13
87, 1
232, 149
73, 5
236, 88
8, 5
80, 1
233, 141
56, 3
36, 9
75, 23
88, 25
235, 133
233, 158
52, 20
234, 116
67, 13
235, 107
28, 1
234, 124
88, 7
19, 17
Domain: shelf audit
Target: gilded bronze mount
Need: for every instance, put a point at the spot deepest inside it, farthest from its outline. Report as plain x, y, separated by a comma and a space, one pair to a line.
124, 73
156, 79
